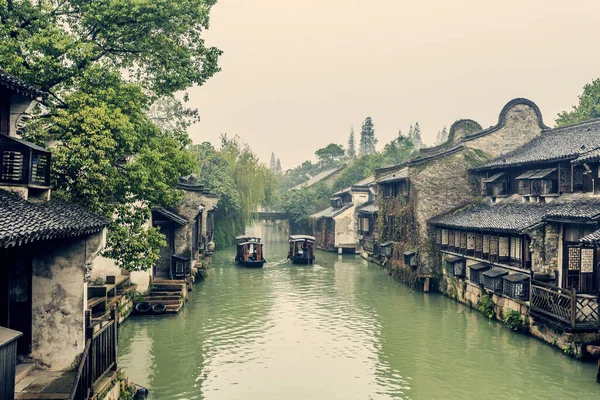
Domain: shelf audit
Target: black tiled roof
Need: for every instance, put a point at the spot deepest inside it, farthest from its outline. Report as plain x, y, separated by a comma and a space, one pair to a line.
590, 156
178, 219
511, 215
592, 238
10, 82
22, 221
566, 143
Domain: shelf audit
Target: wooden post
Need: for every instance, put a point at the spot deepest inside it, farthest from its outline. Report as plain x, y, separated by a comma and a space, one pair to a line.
115, 327
573, 307
426, 285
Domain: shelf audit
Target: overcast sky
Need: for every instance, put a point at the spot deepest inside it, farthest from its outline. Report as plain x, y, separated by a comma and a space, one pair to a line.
296, 74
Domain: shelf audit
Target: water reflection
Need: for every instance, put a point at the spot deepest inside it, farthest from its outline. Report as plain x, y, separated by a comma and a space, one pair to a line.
339, 329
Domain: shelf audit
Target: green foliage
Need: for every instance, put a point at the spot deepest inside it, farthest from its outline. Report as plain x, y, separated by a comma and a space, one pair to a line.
514, 320
368, 141
486, 306
330, 155
587, 108
300, 204
111, 69
242, 182
351, 151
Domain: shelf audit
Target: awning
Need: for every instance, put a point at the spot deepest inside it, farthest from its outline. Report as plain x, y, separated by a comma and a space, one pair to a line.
479, 266
528, 174
410, 253
494, 178
495, 273
543, 173
386, 244
454, 259
516, 278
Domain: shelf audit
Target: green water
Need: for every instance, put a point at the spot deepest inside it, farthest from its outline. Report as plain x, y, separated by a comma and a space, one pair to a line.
341, 329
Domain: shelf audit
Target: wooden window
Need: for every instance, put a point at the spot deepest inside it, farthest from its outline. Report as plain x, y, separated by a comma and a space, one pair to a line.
463, 242
503, 249
471, 243
451, 239
486, 246
578, 178
564, 178
494, 248
13, 166
478, 245
444, 238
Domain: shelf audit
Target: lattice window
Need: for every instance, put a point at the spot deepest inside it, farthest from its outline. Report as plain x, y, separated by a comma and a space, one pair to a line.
13, 166
451, 238
578, 178
39, 168
565, 179
478, 244
444, 237
486, 244
574, 259
463, 241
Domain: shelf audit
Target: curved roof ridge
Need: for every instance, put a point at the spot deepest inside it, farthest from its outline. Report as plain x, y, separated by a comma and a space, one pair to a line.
502, 118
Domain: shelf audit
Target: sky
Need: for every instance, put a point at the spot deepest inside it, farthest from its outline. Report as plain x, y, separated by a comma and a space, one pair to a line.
297, 74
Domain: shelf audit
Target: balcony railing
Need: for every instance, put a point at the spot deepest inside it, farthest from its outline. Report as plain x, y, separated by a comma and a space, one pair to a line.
565, 305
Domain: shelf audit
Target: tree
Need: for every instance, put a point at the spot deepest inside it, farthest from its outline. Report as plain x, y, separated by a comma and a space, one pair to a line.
442, 136
330, 155
367, 138
351, 151
273, 163
414, 135
243, 184
587, 108
105, 64
278, 169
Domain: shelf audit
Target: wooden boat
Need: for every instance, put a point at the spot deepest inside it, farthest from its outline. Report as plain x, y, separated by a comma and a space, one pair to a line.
250, 254
246, 238
302, 249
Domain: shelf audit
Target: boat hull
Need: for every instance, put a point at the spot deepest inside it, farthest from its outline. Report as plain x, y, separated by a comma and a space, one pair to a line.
252, 264
303, 260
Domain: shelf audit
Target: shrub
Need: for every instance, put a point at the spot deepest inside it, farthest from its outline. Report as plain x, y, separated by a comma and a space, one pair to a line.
486, 306
514, 320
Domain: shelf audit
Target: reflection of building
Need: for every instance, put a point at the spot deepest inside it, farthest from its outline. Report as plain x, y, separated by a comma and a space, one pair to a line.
47, 247
335, 228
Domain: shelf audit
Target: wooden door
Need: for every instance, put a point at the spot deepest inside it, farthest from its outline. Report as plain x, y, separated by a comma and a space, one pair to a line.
15, 294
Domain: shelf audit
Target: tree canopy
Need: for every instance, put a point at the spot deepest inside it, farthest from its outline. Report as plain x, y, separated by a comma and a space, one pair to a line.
330, 155
105, 65
588, 106
368, 141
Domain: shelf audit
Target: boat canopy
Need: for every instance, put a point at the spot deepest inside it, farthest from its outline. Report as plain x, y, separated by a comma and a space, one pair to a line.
246, 238
301, 238
247, 243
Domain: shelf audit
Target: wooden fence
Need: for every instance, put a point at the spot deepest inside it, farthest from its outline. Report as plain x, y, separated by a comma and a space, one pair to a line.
98, 358
565, 305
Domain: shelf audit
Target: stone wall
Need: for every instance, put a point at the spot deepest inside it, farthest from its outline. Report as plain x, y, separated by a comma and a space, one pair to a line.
519, 123
545, 245
58, 299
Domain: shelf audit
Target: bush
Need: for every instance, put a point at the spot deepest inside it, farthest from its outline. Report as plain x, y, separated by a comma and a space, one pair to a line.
514, 320
486, 306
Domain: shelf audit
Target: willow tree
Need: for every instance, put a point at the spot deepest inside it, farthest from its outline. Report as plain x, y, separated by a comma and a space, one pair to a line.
103, 64
242, 182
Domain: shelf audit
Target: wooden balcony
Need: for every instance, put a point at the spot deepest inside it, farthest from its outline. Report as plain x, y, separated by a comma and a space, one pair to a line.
565, 306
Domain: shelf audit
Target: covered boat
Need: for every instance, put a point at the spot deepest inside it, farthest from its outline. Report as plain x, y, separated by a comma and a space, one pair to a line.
246, 238
302, 249
250, 254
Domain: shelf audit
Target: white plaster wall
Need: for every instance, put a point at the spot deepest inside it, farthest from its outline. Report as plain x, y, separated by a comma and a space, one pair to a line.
345, 234
19, 105
58, 299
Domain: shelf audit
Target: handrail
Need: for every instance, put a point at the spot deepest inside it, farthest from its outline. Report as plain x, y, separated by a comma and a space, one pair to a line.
78, 382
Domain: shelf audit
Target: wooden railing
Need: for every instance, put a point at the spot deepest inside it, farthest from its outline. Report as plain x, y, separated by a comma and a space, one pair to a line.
565, 305
98, 358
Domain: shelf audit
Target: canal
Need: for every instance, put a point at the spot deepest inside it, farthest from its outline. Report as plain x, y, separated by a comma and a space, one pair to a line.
341, 329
